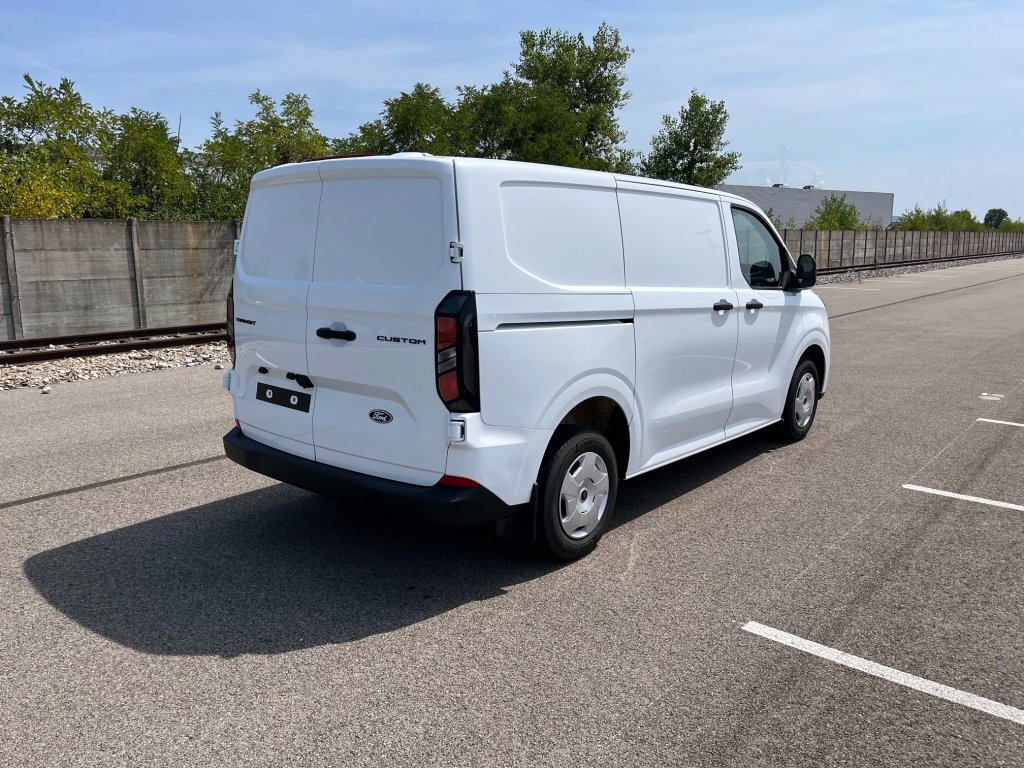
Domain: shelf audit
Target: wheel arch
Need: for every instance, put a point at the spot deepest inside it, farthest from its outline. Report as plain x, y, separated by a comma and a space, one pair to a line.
816, 355
604, 403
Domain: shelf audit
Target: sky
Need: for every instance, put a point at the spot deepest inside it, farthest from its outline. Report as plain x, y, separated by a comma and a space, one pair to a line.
921, 99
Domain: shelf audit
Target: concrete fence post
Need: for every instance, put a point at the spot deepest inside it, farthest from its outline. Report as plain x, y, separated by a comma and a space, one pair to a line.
13, 294
137, 280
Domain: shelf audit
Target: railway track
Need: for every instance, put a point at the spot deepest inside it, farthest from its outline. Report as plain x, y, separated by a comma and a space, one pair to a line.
37, 350
872, 266
22, 351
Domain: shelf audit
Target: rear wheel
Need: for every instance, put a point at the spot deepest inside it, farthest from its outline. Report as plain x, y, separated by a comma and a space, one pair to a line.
577, 489
801, 402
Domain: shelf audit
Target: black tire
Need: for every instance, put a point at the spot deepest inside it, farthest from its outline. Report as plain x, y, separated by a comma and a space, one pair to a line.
574, 451
801, 402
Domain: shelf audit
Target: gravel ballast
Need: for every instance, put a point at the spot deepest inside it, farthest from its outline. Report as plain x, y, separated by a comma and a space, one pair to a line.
46, 375
852, 276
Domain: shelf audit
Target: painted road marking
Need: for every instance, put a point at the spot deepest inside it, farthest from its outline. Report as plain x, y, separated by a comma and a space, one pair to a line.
964, 497
938, 690
990, 396
997, 421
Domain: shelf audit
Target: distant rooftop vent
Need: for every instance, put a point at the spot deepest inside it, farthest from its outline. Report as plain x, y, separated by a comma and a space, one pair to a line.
778, 185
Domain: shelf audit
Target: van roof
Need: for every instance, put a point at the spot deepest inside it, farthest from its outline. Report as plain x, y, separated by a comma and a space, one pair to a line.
421, 159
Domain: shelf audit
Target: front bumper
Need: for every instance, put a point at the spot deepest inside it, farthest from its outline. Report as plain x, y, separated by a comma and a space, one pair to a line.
437, 503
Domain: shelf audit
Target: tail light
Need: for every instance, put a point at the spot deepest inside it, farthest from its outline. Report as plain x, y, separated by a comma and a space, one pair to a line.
230, 325
457, 369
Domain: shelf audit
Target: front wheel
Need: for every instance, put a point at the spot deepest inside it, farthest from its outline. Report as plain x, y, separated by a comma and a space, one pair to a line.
801, 402
577, 489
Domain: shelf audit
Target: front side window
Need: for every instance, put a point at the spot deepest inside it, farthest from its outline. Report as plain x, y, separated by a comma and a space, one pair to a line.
761, 258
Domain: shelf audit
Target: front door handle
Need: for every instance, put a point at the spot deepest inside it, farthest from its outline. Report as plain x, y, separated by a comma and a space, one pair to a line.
754, 304
330, 333
721, 305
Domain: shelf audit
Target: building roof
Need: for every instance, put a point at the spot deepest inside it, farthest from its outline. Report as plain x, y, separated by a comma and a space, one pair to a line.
798, 204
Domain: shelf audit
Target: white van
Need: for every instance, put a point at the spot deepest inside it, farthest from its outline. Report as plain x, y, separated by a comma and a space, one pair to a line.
482, 339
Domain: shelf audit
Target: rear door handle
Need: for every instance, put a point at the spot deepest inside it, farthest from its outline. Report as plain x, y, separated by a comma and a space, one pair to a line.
721, 305
330, 333
754, 304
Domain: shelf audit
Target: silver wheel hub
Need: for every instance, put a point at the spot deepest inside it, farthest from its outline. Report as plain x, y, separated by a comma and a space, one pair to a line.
803, 403
583, 496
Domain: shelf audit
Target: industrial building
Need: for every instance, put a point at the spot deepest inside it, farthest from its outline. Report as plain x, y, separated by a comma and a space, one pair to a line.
798, 203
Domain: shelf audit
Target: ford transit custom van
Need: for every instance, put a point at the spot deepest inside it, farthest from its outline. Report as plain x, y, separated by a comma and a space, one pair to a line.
491, 340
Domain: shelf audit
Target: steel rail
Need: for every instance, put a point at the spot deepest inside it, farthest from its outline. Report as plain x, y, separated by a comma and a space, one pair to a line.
41, 349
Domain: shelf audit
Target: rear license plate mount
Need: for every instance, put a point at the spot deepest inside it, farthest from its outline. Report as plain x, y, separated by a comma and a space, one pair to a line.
277, 395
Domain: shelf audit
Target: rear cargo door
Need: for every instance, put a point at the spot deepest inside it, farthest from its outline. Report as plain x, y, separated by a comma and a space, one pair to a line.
382, 265
272, 277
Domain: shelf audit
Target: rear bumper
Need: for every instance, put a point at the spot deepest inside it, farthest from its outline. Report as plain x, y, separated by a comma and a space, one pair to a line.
437, 503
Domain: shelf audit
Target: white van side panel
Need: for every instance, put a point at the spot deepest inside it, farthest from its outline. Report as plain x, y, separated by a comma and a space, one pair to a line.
563, 236
525, 371
543, 252
272, 277
538, 229
676, 267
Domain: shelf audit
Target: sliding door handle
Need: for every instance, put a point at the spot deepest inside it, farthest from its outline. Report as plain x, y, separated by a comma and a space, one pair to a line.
721, 305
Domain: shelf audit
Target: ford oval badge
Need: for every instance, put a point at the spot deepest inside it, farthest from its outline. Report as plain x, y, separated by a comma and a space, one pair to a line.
381, 417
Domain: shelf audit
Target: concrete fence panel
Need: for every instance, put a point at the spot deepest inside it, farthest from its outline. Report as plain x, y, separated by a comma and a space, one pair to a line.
74, 276
7, 314
62, 277
186, 270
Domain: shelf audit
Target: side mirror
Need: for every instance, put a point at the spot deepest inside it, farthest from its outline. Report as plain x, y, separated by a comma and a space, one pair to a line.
806, 271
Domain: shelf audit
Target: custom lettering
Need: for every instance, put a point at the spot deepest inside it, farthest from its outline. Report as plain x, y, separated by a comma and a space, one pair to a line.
401, 340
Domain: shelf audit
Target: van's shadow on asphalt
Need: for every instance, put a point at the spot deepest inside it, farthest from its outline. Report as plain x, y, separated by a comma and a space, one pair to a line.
279, 569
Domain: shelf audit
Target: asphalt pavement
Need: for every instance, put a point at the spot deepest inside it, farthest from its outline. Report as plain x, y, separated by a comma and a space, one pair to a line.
163, 606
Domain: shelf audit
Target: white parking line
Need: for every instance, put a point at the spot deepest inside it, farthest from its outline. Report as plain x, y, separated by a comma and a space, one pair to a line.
939, 690
997, 421
963, 497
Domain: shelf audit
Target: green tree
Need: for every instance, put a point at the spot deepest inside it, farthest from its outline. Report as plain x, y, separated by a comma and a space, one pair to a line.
418, 121
994, 217
586, 81
51, 149
776, 219
963, 221
484, 120
227, 160
913, 219
558, 104
512, 120
690, 149
939, 219
143, 159
834, 212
